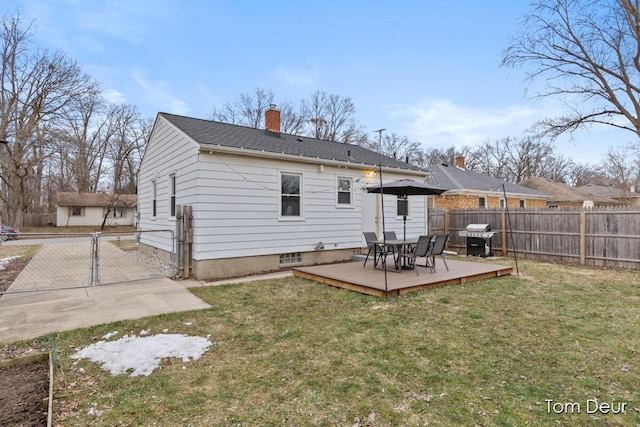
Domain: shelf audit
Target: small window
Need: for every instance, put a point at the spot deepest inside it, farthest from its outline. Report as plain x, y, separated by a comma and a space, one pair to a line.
172, 192
502, 203
482, 202
117, 212
523, 203
153, 197
77, 211
344, 191
290, 195
402, 206
291, 258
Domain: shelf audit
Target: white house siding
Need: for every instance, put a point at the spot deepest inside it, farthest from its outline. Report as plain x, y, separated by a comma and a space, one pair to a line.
91, 216
238, 209
416, 220
169, 152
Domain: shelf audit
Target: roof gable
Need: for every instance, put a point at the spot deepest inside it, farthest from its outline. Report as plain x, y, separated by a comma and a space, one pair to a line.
455, 178
210, 134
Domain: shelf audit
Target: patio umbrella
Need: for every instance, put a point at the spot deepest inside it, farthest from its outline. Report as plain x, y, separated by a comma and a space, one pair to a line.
404, 188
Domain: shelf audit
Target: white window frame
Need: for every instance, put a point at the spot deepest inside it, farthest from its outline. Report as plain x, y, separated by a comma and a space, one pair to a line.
523, 203
172, 195
502, 203
154, 199
71, 210
484, 205
113, 210
338, 192
300, 216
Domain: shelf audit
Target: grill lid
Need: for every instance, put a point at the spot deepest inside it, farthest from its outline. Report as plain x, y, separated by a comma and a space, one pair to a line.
477, 228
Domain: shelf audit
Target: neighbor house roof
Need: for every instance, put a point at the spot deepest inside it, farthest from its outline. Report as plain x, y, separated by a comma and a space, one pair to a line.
603, 190
210, 135
562, 193
96, 199
460, 180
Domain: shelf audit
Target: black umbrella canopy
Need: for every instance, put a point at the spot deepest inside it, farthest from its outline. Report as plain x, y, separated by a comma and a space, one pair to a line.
406, 187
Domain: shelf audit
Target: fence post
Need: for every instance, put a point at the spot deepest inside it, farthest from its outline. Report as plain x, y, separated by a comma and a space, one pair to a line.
184, 236
583, 237
503, 226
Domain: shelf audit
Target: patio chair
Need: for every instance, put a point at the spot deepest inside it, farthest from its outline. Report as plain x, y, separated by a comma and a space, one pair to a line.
422, 249
376, 249
438, 249
391, 235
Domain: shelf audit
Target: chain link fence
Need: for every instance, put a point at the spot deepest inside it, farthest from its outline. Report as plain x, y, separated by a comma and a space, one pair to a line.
63, 261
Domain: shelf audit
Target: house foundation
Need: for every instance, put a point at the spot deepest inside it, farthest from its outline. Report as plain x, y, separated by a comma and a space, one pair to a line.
216, 269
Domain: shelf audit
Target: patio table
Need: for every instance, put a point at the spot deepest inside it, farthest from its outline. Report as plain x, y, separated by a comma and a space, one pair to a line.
400, 245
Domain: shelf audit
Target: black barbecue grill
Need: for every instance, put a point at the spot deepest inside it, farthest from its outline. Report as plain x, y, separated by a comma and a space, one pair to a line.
478, 239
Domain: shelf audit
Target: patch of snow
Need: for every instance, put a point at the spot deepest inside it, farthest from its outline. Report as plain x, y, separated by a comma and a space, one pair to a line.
144, 333
141, 355
110, 335
7, 260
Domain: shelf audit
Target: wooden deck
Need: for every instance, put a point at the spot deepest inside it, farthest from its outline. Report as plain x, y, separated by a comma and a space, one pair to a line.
369, 280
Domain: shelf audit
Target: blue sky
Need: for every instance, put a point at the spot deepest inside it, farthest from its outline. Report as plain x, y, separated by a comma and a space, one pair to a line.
425, 69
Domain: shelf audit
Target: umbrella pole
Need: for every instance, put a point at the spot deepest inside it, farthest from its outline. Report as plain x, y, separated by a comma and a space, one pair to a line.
384, 239
404, 219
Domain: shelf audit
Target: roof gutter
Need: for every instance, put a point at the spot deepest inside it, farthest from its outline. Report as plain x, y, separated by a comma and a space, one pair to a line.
211, 149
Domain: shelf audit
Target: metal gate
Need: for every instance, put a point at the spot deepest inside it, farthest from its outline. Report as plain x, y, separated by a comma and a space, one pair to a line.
63, 261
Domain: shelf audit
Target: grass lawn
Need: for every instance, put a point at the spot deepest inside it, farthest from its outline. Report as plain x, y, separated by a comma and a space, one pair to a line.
295, 353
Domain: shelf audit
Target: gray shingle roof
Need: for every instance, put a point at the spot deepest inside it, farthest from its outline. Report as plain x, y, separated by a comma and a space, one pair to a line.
601, 190
562, 193
455, 178
210, 134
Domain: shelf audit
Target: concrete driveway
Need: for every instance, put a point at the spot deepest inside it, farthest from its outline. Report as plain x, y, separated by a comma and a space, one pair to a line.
59, 265
31, 314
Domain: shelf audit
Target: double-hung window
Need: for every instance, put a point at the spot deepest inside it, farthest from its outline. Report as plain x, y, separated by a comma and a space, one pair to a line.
290, 195
345, 192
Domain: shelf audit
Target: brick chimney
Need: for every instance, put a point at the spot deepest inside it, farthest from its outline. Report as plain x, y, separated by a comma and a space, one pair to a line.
272, 119
460, 162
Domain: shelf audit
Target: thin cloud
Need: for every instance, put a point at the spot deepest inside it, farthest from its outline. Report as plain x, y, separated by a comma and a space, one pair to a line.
440, 122
114, 96
305, 77
159, 93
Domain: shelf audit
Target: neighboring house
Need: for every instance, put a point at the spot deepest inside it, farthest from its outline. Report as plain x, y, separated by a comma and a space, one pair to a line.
564, 196
89, 209
263, 200
472, 190
629, 198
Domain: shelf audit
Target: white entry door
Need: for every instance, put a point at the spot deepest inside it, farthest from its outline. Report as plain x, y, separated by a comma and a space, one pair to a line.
370, 212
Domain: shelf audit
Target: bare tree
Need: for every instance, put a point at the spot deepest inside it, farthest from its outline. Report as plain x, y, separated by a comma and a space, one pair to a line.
588, 53
622, 167
331, 118
126, 146
399, 147
82, 141
583, 173
248, 110
37, 88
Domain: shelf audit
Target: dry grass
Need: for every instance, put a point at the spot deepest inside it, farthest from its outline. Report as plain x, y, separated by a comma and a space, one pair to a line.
293, 352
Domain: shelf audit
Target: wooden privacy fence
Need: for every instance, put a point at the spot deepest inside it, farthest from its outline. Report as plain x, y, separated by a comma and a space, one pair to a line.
601, 237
